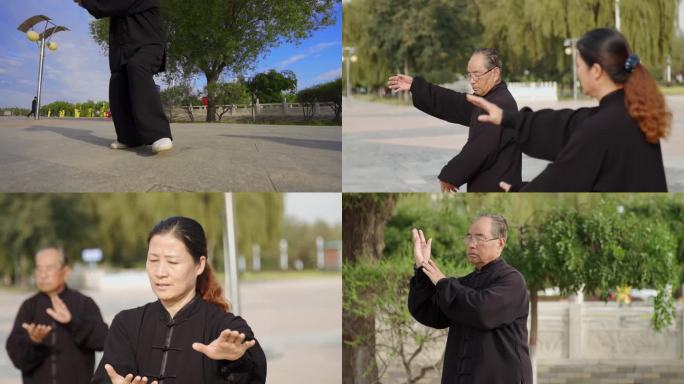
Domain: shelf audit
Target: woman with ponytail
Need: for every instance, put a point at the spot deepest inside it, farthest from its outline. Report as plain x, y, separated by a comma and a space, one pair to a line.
614, 147
188, 335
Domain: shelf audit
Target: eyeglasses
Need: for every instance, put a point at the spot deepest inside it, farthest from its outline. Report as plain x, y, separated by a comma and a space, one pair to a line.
475, 76
477, 240
49, 269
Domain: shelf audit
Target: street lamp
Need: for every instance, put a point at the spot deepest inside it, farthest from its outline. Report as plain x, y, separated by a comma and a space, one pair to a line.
350, 58
571, 49
49, 29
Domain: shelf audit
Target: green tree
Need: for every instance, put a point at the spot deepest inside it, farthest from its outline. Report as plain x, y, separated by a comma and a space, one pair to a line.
225, 95
427, 37
272, 86
364, 217
179, 96
228, 35
326, 92
649, 26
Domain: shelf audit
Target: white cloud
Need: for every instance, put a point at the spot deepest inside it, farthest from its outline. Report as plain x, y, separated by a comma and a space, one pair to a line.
312, 51
330, 75
291, 60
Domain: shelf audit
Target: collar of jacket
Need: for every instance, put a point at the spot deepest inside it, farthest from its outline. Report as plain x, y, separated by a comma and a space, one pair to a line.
184, 313
617, 96
501, 85
491, 265
61, 294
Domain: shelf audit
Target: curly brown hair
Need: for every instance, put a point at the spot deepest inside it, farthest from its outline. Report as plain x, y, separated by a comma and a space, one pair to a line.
643, 100
646, 105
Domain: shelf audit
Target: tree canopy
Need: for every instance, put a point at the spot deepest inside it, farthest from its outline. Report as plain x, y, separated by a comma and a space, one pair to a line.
218, 36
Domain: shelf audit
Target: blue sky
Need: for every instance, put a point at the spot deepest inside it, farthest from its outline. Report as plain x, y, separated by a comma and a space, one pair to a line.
78, 70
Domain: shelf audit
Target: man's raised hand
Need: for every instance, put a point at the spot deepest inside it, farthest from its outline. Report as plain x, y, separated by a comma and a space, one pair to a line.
400, 83
421, 248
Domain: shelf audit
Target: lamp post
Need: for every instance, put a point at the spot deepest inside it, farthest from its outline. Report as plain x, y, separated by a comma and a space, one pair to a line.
49, 29
349, 58
571, 49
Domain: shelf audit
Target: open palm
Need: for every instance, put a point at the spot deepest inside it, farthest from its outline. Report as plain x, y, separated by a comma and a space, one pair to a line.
400, 83
421, 248
230, 345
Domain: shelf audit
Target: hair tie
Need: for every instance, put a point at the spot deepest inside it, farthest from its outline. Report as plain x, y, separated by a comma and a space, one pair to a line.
631, 62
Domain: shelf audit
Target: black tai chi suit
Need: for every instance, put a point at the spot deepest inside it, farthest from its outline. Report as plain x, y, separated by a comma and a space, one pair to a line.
486, 313
146, 341
490, 154
136, 53
599, 149
67, 354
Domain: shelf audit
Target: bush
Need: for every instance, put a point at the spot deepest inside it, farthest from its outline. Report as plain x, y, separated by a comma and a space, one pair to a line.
323, 93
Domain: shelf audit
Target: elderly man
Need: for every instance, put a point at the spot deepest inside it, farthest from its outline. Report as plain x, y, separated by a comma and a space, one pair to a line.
485, 311
57, 330
490, 155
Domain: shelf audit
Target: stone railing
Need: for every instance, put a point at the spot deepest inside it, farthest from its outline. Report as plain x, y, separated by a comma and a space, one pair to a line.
285, 110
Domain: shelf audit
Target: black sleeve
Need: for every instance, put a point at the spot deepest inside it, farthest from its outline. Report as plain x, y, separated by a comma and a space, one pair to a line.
88, 329
118, 351
440, 102
544, 133
108, 8
24, 353
251, 367
577, 166
479, 152
422, 302
489, 308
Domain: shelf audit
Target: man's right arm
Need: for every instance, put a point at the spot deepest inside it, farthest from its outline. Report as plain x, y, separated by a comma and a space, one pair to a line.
24, 353
422, 302
440, 102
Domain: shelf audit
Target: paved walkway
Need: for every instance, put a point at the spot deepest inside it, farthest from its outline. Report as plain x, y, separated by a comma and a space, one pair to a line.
390, 148
297, 322
69, 155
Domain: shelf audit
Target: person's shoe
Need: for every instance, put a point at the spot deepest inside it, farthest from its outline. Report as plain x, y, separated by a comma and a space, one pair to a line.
163, 144
117, 145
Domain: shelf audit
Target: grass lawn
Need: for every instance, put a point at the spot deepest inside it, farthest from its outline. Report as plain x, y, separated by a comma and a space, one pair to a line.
673, 90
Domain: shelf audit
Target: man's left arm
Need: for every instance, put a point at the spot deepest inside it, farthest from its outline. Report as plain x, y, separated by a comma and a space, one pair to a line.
501, 303
478, 153
88, 328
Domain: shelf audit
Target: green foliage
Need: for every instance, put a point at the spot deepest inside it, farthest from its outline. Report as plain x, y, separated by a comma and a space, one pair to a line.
225, 95
301, 237
16, 111
272, 86
422, 36
326, 92
181, 96
57, 106
118, 223
435, 37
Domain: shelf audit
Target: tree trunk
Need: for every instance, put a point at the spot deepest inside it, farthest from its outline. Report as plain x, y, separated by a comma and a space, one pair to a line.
212, 77
534, 301
364, 217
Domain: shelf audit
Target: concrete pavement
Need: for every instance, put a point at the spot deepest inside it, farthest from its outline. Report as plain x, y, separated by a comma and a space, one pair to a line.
69, 155
391, 148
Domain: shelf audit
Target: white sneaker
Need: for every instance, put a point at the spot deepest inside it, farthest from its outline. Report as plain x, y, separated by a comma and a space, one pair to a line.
117, 145
163, 144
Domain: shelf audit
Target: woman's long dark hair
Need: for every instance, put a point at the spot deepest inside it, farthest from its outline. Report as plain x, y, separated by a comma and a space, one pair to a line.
192, 235
645, 104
